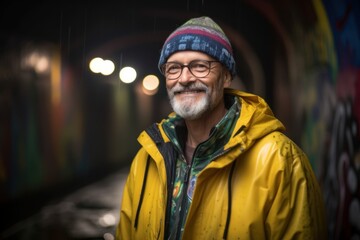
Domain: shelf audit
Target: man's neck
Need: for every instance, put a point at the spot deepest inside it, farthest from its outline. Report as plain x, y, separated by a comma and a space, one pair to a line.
199, 129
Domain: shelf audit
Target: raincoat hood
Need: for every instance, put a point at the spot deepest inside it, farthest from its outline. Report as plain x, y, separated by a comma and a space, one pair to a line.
256, 119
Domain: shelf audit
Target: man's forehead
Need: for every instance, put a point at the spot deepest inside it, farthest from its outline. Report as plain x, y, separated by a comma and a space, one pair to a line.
189, 56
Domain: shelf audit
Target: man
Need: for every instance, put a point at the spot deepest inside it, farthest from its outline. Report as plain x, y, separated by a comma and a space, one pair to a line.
219, 166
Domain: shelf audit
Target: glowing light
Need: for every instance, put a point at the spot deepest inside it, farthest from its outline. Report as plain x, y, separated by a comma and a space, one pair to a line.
127, 74
96, 65
108, 67
99, 65
150, 84
107, 220
39, 61
42, 65
108, 236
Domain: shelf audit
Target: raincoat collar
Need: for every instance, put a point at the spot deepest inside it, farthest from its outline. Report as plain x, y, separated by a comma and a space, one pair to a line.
256, 120
175, 129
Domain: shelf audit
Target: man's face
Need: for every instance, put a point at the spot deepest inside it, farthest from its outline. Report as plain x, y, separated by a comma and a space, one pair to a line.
192, 97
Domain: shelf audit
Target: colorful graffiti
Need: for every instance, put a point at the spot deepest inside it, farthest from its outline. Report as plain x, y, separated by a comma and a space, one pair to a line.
331, 110
341, 173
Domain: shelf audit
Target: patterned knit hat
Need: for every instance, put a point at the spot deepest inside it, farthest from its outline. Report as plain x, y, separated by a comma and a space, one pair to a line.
200, 34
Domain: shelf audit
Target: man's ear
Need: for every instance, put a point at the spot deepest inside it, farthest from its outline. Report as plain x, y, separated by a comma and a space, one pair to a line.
228, 78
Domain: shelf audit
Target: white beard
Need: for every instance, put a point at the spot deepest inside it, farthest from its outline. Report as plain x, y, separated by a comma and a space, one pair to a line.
187, 108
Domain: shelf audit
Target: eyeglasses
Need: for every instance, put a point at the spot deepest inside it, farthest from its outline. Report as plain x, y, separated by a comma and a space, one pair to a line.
198, 68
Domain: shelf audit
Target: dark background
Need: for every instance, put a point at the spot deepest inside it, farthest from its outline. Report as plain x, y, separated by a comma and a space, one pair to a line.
66, 129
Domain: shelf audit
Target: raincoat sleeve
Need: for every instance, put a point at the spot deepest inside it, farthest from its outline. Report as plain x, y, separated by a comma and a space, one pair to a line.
125, 227
297, 211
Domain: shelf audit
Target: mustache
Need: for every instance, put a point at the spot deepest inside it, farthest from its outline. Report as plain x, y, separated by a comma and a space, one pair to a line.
197, 86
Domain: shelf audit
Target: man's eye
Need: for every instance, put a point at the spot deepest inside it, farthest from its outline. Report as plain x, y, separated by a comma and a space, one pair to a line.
173, 68
199, 67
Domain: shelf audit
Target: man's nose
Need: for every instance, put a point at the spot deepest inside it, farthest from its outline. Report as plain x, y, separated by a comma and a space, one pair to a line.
186, 76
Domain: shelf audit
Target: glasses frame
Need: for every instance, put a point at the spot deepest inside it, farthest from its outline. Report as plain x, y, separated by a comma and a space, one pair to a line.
182, 66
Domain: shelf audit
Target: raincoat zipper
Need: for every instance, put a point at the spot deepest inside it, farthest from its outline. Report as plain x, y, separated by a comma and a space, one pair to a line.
186, 181
183, 200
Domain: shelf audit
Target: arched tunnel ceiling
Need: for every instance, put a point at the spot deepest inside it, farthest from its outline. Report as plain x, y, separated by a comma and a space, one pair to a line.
136, 30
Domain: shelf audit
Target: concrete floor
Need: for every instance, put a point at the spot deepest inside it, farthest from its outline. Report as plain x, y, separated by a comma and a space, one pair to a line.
91, 212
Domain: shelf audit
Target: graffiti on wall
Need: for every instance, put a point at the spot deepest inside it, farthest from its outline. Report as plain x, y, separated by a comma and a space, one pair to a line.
331, 106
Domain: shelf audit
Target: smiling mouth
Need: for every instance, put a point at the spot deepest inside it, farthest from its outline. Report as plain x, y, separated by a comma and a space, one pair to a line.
189, 91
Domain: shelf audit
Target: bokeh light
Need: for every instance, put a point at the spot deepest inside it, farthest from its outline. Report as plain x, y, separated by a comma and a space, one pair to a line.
150, 84
96, 65
99, 65
38, 60
107, 220
108, 236
127, 74
108, 67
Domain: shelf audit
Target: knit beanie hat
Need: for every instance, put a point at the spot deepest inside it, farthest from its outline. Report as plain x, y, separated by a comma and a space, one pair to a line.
200, 34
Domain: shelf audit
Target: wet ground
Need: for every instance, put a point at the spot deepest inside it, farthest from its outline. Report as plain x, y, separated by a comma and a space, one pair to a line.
91, 212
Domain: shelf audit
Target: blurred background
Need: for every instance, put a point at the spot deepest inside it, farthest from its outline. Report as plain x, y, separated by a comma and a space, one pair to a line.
79, 81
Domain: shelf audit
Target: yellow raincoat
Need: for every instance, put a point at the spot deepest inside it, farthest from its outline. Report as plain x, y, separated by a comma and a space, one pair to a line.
263, 187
